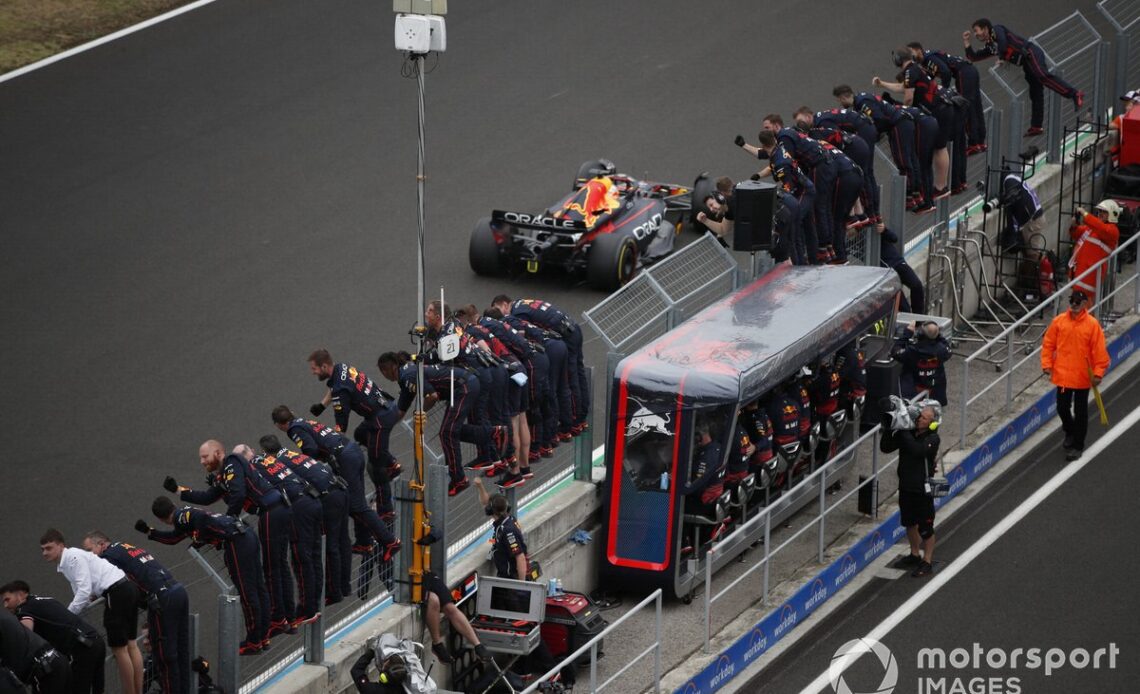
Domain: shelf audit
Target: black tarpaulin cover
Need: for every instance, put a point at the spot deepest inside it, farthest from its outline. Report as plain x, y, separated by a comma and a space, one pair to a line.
739, 347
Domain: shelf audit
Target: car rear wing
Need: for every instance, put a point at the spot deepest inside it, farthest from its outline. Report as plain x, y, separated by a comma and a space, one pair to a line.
538, 221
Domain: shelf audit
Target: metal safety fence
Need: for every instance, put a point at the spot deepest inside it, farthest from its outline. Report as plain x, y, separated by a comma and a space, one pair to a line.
1015, 352
594, 644
1074, 51
1124, 15
847, 489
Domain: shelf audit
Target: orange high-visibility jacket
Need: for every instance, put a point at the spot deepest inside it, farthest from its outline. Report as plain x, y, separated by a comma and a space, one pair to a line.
1071, 347
1094, 241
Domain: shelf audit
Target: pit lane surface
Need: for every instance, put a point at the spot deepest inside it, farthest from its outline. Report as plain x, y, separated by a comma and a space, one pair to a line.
1061, 578
189, 210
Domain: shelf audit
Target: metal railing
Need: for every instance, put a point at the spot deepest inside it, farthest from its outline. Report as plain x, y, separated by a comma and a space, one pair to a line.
824, 477
1124, 15
1007, 338
592, 646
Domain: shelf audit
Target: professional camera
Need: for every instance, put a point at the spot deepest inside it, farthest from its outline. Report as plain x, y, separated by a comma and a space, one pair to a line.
898, 414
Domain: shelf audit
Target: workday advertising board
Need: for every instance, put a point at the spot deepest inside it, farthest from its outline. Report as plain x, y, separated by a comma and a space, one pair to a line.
778, 623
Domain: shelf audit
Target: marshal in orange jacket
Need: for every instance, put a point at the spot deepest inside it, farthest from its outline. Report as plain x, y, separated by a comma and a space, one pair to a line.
1093, 242
1071, 346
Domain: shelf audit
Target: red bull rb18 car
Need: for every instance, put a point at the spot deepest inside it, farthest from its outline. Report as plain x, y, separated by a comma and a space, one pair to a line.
607, 227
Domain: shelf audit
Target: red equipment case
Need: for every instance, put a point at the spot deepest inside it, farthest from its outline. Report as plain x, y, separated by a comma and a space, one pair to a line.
571, 620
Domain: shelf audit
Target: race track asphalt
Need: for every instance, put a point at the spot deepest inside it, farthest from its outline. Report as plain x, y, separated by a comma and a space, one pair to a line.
1062, 578
189, 210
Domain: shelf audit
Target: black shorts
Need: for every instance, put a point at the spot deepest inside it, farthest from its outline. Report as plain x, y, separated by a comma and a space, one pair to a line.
434, 584
515, 400
121, 615
916, 508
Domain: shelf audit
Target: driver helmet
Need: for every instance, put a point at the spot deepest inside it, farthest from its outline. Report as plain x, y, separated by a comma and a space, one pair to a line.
605, 167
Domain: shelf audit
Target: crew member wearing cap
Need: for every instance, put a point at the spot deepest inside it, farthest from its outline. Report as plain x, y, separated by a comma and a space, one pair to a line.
1074, 357
1094, 237
923, 356
1116, 126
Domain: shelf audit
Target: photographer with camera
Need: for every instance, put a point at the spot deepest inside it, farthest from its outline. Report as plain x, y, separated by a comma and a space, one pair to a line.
912, 431
1024, 215
390, 680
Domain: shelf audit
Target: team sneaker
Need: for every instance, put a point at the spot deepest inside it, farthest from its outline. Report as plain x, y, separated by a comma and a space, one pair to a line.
264, 644
363, 549
305, 619
482, 465
390, 550
1034, 131
482, 653
924, 569
394, 470
578, 428
455, 487
546, 451
910, 561
960, 188
940, 193
533, 456
249, 648
281, 626
511, 479
526, 473
924, 208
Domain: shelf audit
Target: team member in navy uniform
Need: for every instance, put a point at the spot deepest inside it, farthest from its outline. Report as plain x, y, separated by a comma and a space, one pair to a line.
945, 67
350, 390
333, 498
923, 354
31, 659
546, 315
919, 88
305, 539
811, 156
890, 255
550, 390
782, 166
237, 482
998, 41
458, 389
539, 413
706, 476
325, 443
853, 134
240, 551
168, 608
66, 632
897, 125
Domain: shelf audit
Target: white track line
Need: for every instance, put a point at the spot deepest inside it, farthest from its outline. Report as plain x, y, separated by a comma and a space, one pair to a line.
102, 40
952, 569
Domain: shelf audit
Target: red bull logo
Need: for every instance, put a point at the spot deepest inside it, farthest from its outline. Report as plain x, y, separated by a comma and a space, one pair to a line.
596, 198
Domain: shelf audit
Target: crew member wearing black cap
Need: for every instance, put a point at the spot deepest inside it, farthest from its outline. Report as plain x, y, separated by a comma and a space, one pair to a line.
31, 659
68, 633
241, 553
945, 67
324, 443
168, 608
350, 390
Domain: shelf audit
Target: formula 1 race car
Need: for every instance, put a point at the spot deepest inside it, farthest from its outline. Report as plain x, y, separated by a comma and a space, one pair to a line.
608, 226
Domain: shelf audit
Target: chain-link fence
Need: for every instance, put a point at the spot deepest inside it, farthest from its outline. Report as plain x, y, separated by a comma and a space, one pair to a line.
1124, 15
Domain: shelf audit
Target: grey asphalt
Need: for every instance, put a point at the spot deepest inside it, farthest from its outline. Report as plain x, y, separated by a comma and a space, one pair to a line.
1061, 578
188, 211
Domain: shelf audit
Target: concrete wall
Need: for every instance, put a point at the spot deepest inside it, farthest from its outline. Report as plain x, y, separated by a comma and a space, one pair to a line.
547, 530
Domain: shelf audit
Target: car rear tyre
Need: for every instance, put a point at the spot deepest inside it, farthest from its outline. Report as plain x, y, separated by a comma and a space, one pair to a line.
702, 188
612, 262
484, 252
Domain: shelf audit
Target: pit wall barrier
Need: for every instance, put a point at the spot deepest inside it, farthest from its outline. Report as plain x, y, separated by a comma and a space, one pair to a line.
778, 623
547, 523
